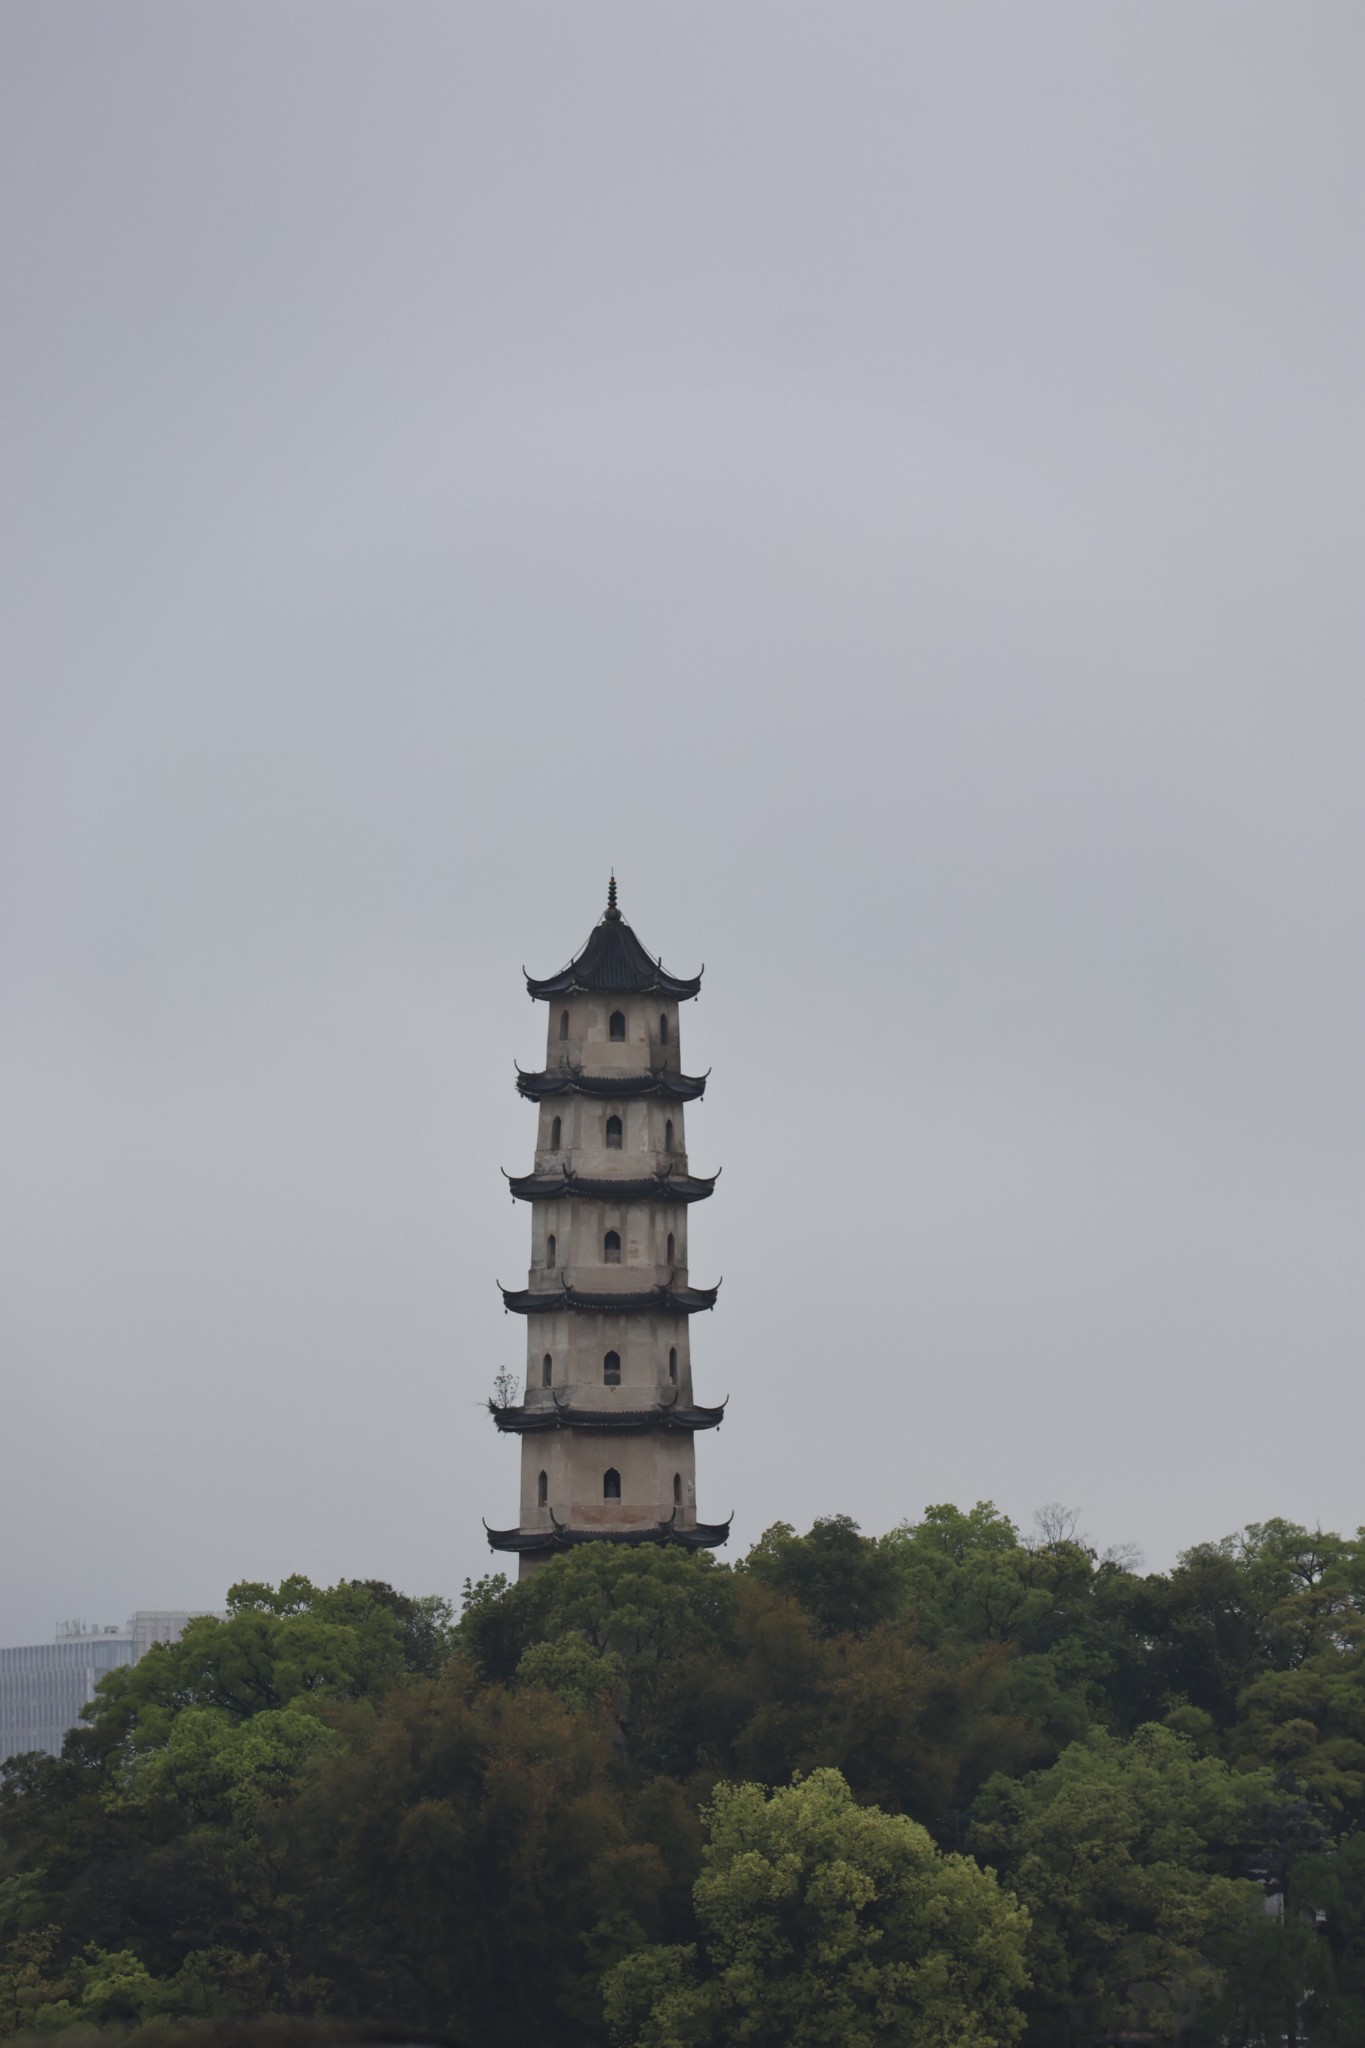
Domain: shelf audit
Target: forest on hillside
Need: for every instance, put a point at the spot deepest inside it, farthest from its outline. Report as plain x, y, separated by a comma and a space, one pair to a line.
944, 1785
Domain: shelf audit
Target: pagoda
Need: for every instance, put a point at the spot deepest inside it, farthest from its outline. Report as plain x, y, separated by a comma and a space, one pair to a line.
607, 1422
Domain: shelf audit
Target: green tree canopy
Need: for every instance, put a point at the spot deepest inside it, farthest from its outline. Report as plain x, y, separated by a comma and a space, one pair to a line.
846, 1582
330, 1802
825, 1924
1126, 1854
628, 1630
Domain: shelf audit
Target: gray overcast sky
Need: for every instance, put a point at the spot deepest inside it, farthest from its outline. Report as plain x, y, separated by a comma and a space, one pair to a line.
886, 477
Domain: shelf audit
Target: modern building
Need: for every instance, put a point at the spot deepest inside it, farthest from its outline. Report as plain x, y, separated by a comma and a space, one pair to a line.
608, 1422
45, 1686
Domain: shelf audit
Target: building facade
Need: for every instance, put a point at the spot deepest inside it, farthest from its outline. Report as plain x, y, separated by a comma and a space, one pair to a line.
44, 1687
608, 1421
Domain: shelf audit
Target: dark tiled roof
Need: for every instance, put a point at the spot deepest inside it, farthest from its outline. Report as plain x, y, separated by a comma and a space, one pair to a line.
613, 962
559, 1536
567, 1081
563, 1415
667, 1300
655, 1187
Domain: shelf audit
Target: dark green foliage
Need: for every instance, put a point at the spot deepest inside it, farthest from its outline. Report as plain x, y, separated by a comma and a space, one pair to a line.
335, 1802
845, 1584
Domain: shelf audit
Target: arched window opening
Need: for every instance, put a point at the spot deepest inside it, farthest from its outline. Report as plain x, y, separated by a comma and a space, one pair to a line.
611, 1369
550, 1249
668, 1135
547, 1371
563, 1023
543, 1490
673, 1363
613, 1134
616, 1025
555, 1129
669, 1259
611, 1248
611, 1484
663, 1030
677, 1489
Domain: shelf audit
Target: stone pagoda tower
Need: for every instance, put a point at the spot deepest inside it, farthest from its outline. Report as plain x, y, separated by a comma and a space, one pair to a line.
608, 1422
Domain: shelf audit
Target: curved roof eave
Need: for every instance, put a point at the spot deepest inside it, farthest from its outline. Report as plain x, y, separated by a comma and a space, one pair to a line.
562, 1536
666, 1300
523, 1421
569, 1081
655, 1187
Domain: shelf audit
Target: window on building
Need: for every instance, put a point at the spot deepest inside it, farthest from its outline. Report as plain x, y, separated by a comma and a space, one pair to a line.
555, 1129
669, 1260
616, 1025
563, 1023
677, 1489
613, 1134
611, 1248
611, 1369
543, 1490
550, 1249
663, 1030
668, 1135
547, 1371
673, 1363
611, 1484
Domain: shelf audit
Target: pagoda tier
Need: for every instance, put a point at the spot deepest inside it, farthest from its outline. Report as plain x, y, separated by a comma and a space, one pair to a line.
559, 1414
655, 1187
667, 1300
569, 1081
613, 962
562, 1536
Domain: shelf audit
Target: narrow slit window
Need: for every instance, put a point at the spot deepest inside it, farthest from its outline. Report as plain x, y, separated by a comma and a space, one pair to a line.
555, 1129
611, 1484
673, 1363
613, 1134
669, 1259
547, 1371
563, 1023
542, 1490
677, 1489
668, 1135
663, 1030
616, 1026
611, 1248
550, 1249
611, 1369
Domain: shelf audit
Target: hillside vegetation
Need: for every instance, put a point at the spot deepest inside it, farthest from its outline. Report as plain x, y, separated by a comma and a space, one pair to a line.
941, 1786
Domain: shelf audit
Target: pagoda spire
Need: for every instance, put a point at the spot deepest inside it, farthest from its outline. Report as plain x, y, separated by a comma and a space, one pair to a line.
612, 961
608, 1419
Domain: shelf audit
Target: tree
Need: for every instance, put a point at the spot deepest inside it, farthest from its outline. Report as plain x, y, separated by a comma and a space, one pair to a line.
846, 1582
626, 1628
1054, 1613
827, 1925
1125, 1854
279, 1644
148, 1830
918, 1730
464, 1859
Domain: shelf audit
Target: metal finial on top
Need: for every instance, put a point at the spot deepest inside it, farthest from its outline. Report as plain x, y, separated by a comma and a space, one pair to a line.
612, 911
